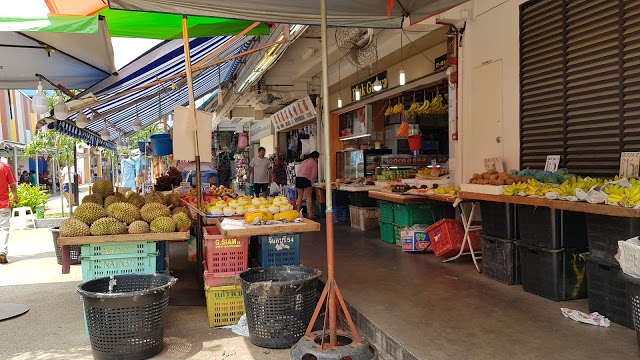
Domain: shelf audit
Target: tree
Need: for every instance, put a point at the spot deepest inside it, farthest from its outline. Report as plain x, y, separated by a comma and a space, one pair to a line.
52, 143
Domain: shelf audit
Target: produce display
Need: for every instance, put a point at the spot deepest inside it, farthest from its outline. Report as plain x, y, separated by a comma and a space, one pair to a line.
434, 107
492, 177
394, 174
168, 181
436, 190
106, 212
617, 191
265, 215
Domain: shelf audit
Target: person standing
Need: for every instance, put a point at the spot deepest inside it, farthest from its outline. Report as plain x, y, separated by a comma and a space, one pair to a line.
7, 182
280, 171
65, 174
305, 177
128, 170
259, 167
24, 177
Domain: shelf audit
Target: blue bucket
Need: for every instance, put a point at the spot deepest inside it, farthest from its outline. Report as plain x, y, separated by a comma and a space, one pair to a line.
161, 144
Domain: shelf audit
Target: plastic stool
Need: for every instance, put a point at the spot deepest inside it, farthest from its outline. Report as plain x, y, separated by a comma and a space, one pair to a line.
21, 218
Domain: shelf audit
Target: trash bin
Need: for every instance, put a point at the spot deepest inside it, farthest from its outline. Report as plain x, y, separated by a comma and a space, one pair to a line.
632, 286
74, 250
126, 314
279, 301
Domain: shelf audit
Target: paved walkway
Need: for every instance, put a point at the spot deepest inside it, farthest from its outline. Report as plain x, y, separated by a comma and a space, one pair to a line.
54, 204
54, 327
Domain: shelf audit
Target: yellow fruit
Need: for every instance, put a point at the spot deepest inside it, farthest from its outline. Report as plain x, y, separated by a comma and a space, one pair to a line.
289, 215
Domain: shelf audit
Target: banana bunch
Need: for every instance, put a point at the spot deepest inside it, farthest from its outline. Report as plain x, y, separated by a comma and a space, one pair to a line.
412, 110
436, 107
447, 190
565, 189
587, 183
398, 108
629, 197
389, 111
516, 188
423, 109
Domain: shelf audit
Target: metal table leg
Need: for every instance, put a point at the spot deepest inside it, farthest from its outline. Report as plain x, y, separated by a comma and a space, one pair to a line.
466, 223
66, 258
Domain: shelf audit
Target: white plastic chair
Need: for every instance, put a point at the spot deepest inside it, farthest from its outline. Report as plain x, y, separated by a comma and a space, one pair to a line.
22, 218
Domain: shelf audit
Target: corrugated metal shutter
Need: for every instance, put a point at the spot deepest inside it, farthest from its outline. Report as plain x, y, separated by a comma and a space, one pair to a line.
580, 83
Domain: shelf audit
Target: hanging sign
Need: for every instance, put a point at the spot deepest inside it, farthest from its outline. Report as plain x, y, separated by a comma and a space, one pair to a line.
552, 164
260, 129
629, 164
494, 163
440, 62
297, 113
366, 87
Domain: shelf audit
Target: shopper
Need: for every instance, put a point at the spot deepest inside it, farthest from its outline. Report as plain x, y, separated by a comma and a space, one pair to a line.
260, 168
305, 177
128, 171
65, 175
7, 181
33, 179
24, 177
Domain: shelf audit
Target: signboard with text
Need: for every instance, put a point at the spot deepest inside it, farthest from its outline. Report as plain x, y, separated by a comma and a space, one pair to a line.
629, 164
297, 113
494, 163
552, 164
366, 87
260, 129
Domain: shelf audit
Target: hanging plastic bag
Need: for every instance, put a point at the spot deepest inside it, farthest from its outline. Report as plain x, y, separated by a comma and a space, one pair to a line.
274, 189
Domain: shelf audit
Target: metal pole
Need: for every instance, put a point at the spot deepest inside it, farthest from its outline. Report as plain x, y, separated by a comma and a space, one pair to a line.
333, 339
15, 162
37, 172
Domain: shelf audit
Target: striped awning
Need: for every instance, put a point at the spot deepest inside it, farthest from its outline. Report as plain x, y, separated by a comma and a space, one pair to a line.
156, 101
89, 138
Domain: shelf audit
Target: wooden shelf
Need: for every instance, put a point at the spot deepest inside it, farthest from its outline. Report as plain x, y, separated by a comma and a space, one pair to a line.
82, 240
577, 206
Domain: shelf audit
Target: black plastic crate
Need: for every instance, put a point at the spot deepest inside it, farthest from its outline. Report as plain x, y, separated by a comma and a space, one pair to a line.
551, 228
362, 199
607, 295
499, 220
340, 198
603, 233
556, 274
500, 260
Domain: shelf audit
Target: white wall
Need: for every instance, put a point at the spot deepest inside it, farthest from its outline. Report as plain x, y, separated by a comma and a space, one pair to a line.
491, 36
267, 143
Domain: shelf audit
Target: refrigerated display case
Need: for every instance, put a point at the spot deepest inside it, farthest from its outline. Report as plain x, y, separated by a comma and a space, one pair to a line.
354, 164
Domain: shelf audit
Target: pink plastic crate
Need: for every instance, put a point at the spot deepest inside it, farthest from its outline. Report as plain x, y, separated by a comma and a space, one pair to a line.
446, 237
221, 278
225, 256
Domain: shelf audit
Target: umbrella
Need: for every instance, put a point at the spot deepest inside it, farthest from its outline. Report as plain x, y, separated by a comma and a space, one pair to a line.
153, 25
354, 13
70, 50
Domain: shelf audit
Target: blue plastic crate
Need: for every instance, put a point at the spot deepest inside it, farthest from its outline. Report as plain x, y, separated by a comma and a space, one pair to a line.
341, 214
100, 260
276, 250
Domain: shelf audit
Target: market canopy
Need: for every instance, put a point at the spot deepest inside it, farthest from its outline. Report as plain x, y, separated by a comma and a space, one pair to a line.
73, 51
353, 13
165, 60
153, 25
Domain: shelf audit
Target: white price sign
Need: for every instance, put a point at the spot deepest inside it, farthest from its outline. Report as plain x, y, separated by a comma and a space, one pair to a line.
494, 163
553, 162
206, 187
629, 164
185, 186
148, 188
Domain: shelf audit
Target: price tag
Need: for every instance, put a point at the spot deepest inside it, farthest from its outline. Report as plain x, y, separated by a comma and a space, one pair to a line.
185, 186
494, 163
148, 188
553, 161
629, 164
206, 187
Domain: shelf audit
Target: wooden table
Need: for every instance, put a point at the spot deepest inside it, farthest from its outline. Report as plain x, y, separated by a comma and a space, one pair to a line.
257, 230
66, 242
576, 206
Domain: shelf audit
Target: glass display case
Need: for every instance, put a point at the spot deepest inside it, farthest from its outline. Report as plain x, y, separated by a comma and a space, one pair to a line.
354, 164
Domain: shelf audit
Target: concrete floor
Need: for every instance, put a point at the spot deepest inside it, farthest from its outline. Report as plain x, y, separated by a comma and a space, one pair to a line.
449, 311
54, 327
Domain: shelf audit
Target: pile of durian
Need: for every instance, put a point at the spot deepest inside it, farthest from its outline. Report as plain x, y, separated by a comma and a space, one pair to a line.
106, 212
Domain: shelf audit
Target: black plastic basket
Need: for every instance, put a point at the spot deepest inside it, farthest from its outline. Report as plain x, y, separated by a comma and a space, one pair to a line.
74, 250
606, 290
499, 220
279, 301
500, 260
633, 297
551, 229
127, 322
603, 233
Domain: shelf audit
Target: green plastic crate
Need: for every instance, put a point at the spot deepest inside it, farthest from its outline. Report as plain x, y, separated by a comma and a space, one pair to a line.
100, 260
411, 214
397, 237
386, 211
387, 232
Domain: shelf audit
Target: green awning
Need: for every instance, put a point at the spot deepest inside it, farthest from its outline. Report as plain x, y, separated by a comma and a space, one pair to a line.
136, 24
52, 23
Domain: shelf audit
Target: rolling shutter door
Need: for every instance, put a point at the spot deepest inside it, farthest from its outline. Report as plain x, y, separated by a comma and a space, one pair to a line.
580, 83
